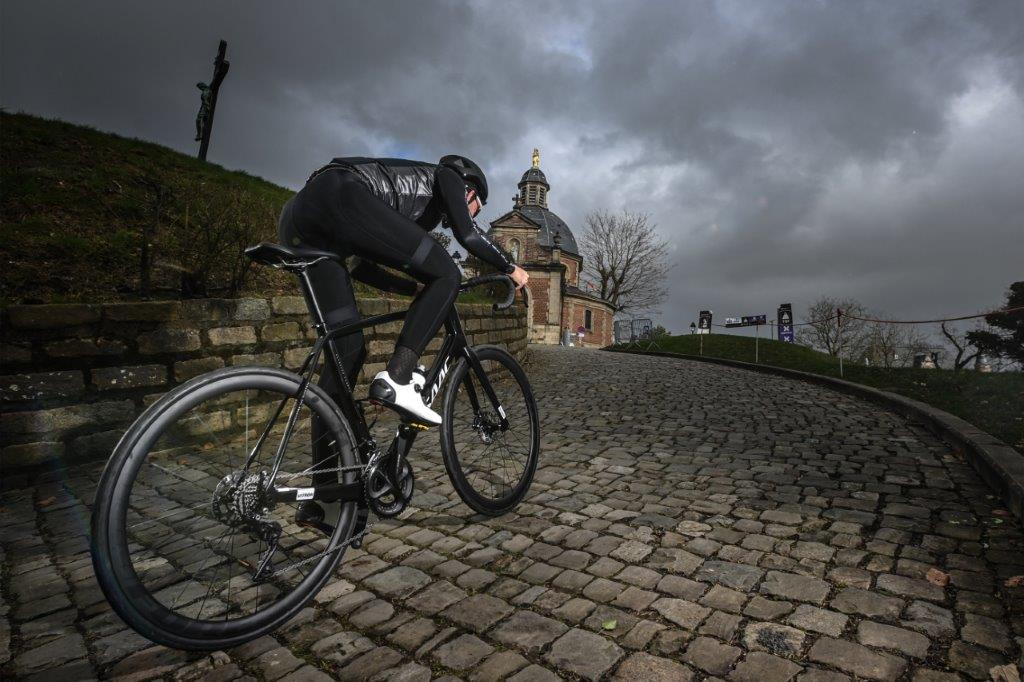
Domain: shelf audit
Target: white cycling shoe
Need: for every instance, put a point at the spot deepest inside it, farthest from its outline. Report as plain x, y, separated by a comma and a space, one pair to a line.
405, 399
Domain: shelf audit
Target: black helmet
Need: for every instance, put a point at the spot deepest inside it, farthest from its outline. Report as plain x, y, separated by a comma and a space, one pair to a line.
469, 171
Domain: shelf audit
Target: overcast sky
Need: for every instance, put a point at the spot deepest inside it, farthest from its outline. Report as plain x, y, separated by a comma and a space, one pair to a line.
786, 150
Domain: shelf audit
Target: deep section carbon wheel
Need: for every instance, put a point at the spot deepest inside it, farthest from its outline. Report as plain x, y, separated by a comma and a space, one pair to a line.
490, 463
188, 545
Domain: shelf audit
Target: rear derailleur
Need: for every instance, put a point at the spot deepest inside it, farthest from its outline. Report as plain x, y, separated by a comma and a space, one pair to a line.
240, 501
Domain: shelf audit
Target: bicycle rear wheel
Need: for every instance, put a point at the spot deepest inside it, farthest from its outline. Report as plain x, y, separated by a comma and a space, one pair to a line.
187, 545
490, 468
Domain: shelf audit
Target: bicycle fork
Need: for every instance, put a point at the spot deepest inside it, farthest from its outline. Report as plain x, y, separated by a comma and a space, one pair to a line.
478, 369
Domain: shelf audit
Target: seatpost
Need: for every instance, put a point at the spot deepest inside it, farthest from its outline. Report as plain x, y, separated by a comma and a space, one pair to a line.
314, 305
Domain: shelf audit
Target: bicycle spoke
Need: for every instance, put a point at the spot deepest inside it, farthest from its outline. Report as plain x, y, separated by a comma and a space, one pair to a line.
495, 470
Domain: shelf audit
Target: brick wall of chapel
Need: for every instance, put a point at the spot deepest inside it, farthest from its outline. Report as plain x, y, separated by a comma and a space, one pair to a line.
602, 326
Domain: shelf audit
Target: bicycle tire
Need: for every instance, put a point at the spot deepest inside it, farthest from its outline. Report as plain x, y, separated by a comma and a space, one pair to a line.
111, 554
455, 464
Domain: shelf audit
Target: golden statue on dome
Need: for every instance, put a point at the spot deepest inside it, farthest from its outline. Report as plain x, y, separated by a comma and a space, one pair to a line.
536, 158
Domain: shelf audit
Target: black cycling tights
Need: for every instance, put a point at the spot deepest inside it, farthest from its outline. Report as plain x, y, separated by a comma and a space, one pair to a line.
335, 212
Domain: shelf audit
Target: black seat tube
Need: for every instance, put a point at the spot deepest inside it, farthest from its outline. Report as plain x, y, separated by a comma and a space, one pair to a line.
347, 403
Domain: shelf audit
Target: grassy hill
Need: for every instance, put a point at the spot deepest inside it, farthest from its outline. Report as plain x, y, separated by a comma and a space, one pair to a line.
76, 202
992, 402
77, 205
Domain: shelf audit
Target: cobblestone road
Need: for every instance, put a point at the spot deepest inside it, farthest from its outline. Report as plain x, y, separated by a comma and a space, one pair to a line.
688, 521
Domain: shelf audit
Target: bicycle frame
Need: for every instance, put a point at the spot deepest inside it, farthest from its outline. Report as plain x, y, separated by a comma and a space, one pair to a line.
455, 345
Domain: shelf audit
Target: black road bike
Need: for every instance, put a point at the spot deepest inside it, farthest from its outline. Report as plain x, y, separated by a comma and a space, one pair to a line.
199, 537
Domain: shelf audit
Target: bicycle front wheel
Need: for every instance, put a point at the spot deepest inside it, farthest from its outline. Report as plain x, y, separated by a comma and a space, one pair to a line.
188, 545
490, 466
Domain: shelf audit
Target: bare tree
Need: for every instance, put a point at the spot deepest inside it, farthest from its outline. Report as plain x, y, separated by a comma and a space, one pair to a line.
209, 237
823, 332
889, 345
962, 346
625, 259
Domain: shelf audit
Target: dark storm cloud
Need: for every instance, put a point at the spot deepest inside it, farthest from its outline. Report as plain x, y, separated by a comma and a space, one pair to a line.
786, 150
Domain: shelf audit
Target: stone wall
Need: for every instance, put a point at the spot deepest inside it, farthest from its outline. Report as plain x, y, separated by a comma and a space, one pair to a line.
75, 376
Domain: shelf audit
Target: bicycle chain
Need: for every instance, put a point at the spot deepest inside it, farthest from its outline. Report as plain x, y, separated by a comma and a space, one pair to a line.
321, 555
316, 557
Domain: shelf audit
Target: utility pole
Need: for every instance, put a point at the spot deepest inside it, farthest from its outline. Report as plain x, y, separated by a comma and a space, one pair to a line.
839, 338
204, 120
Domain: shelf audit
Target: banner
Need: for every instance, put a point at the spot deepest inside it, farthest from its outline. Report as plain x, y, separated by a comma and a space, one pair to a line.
746, 321
785, 318
704, 322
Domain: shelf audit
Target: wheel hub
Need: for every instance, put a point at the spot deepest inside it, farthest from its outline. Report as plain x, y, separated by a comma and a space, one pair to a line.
486, 426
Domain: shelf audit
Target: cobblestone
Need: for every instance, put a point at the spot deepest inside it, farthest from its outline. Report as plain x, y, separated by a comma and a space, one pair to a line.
584, 653
747, 527
647, 668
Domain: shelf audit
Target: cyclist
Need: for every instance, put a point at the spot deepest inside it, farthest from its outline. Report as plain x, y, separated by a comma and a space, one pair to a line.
372, 211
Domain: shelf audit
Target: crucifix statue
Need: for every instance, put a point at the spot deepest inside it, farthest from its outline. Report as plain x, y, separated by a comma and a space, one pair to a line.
205, 95
208, 100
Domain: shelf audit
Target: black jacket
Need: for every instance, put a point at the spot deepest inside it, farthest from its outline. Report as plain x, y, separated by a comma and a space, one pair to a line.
423, 192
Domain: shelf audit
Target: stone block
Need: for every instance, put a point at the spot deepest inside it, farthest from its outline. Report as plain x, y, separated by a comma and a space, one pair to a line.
377, 348
583, 653
186, 369
289, 305
146, 311
261, 359
116, 378
73, 348
31, 454
169, 340
294, 357
389, 329
64, 418
15, 354
888, 637
251, 309
94, 445
282, 331
42, 386
231, 336
208, 309
52, 315
856, 659
372, 306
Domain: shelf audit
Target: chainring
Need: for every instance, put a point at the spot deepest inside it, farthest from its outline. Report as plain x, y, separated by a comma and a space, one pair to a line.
381, 496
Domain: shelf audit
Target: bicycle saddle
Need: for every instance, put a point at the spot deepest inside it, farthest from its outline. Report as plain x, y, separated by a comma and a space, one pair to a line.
288, 256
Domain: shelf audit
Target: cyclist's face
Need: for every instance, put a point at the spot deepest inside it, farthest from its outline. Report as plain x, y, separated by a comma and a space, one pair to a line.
473, 203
